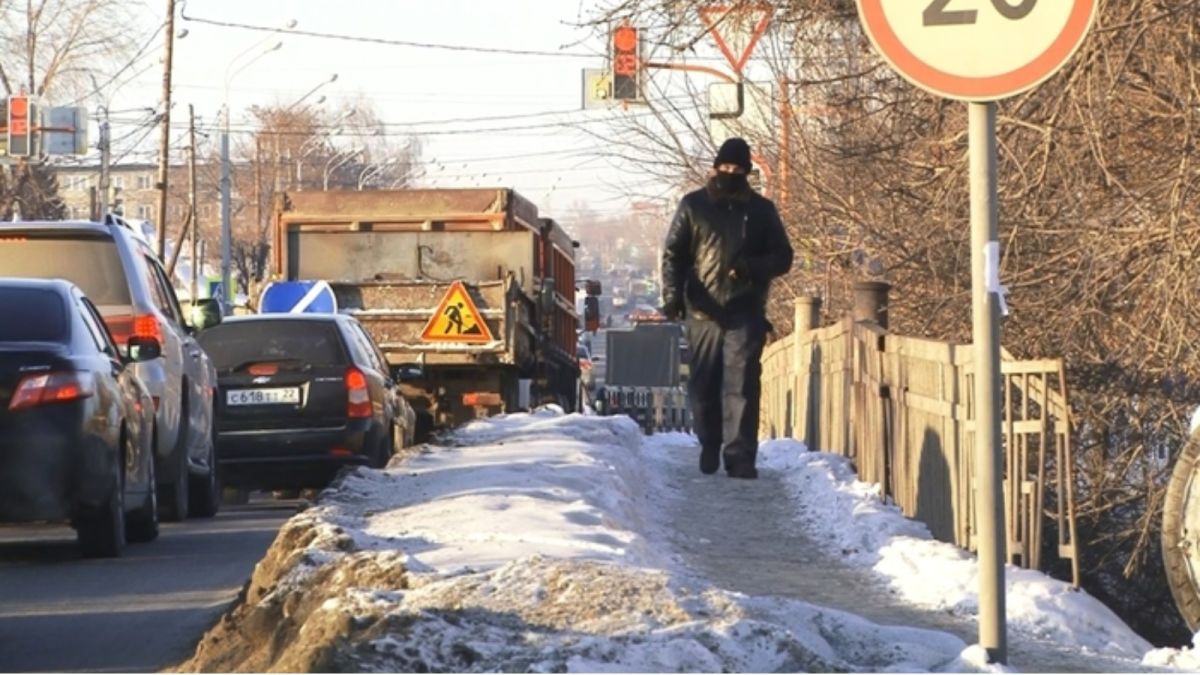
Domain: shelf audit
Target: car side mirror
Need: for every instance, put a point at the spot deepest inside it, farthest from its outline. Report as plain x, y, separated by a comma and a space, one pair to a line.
143, 349
206, 313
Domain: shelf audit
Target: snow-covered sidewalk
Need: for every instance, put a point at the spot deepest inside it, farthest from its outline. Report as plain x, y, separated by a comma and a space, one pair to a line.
546, 543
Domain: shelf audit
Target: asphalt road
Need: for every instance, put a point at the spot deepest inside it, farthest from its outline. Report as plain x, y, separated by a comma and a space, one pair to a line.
141, 612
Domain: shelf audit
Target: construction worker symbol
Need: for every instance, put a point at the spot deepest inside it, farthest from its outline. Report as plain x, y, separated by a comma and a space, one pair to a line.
455, 325
457, 319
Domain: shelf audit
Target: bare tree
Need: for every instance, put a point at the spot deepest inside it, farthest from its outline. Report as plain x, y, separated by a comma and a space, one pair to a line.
51, 47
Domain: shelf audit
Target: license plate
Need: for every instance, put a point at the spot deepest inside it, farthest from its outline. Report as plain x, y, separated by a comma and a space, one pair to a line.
263, 396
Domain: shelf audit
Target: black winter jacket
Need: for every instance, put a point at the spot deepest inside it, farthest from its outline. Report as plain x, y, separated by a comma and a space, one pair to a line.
712, 234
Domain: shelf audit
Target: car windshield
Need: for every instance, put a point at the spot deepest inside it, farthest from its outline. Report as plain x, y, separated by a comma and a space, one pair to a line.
238, 344
32, 315
90, 262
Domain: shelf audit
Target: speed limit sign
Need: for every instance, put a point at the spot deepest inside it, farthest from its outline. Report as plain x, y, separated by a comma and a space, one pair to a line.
976, 50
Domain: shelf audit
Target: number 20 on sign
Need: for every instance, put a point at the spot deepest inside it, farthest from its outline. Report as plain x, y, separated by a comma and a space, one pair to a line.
977, 50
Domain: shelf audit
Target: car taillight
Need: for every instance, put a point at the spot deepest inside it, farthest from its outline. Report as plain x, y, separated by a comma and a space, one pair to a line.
138, 325
358, 395
48, 388
264, 369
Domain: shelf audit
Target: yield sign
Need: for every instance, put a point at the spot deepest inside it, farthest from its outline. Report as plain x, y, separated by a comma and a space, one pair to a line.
457, 319
736, 29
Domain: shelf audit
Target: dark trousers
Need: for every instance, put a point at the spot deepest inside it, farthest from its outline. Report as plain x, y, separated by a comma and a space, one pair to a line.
725, 385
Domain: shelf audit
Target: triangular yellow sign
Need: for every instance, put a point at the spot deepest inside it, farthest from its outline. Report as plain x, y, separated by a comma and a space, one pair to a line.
457, 319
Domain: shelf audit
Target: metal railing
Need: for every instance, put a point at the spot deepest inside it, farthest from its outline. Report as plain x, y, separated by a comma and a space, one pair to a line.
901, 409
655, 409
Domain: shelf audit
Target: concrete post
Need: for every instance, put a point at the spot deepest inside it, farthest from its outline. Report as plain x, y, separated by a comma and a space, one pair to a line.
807, 314
871, 302
807, 318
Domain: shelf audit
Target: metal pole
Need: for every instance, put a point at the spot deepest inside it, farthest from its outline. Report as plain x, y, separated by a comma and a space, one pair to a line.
195, 213
985, 311
105, 158
226, 214
164, 149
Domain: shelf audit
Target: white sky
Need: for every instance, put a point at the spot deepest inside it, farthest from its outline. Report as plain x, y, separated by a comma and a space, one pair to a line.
491, 516
410, 84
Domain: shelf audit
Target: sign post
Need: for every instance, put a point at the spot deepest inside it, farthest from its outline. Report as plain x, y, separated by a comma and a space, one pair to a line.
981, 51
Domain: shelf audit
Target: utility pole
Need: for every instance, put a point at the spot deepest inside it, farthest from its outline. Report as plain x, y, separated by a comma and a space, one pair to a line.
194, 213
105, 158
165, 143
226, 213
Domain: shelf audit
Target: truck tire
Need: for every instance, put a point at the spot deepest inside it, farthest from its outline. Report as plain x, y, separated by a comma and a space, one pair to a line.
1181, 532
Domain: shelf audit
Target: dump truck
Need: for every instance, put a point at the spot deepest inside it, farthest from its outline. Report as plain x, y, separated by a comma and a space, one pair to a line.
469, 293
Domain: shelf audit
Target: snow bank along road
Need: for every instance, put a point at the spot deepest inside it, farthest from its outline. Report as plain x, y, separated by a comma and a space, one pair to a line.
546, 543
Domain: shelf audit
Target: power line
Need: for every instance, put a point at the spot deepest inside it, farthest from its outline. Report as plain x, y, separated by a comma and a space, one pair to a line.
136, 57
376, 132
389, 42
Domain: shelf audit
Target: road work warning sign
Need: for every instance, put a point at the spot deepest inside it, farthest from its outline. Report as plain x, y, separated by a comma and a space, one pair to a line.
457, 319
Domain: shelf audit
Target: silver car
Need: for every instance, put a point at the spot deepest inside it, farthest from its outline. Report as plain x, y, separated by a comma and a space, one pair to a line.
118, 270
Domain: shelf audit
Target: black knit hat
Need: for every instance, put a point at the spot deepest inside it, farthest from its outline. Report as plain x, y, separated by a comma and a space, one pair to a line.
734, 151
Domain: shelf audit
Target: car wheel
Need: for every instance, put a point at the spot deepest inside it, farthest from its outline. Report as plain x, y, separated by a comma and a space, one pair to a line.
383, 449
173, 496
101, 531
142, 525
205, 491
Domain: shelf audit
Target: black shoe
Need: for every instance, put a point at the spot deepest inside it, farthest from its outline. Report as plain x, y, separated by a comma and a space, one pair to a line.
710, 461
747, 472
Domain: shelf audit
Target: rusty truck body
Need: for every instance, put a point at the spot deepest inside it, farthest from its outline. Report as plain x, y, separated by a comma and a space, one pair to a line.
391, 256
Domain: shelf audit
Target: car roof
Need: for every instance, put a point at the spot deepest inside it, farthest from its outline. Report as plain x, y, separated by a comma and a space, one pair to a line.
58, 285
67, 225
252, 318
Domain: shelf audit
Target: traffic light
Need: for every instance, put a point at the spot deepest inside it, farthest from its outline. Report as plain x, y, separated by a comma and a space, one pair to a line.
626, 63
21, 118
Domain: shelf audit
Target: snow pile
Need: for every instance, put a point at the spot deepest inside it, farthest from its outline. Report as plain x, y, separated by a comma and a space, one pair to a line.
525, 544
541, 543
1187, 659
850, 517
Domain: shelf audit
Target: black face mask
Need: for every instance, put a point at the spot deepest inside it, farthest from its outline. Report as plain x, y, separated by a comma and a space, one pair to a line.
730, 183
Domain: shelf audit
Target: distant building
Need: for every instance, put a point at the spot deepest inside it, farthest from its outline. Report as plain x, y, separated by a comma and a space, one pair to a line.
133, 185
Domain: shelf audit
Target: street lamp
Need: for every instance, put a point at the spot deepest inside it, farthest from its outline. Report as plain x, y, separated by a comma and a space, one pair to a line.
226, 180
319, 140
332, 78
333, 165
373, 170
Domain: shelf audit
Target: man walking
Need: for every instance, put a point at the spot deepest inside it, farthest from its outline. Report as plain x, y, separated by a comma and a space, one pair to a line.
725, 245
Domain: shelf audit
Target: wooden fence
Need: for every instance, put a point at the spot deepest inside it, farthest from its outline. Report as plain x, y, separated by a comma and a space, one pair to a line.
901, 409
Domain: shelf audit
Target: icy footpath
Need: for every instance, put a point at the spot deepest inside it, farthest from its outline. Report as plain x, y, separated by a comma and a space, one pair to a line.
525, 543
809, 529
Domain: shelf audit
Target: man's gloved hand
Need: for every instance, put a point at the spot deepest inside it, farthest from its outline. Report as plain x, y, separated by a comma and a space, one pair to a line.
673, 310
741, 271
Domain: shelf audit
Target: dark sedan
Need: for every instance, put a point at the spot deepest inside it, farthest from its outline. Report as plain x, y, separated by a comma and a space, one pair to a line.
76, 424
300, 396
